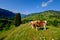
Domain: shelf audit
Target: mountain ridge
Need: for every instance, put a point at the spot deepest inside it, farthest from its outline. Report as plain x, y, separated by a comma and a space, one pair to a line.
49, 15
6, 14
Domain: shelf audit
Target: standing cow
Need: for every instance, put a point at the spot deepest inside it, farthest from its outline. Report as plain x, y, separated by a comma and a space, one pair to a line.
38, 23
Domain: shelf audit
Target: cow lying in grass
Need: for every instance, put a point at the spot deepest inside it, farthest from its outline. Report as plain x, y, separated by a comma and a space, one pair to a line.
38, 23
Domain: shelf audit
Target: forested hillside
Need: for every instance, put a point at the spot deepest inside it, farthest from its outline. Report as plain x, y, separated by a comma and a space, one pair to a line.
53, 17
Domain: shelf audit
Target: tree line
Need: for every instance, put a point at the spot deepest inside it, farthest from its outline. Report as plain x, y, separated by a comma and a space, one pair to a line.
6, 23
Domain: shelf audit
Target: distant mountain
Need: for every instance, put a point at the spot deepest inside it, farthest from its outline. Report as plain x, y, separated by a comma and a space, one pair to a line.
6, 14
23, 15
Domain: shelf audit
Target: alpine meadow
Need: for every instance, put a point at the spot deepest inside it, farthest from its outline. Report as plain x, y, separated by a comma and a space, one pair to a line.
30, 20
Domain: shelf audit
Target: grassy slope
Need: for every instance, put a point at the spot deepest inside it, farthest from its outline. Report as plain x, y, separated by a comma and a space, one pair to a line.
25, 32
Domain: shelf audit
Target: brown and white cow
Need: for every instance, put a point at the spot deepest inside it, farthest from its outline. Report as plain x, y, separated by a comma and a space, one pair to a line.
38, 23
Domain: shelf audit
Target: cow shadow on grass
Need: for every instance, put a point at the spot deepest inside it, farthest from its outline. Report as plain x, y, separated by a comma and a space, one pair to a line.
42, 28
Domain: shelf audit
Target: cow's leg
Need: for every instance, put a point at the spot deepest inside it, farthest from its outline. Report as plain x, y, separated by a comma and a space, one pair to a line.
44, 27
32, 26
36, 28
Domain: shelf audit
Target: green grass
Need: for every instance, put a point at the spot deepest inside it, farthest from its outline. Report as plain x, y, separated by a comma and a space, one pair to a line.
25, 32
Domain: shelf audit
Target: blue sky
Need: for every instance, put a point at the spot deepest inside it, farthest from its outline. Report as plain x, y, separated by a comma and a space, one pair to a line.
30, 6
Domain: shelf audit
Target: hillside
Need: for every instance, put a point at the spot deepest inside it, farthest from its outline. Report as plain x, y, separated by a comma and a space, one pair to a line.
6, 14
25, 32
6, 19
53, 17
50, 14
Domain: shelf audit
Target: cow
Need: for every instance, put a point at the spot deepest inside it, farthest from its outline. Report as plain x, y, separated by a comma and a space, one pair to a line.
38, 23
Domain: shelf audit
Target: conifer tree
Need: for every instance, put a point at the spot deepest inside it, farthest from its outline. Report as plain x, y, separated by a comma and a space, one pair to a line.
17, 19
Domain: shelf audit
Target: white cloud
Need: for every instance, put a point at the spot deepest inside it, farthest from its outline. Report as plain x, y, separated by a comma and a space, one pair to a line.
50, 1
44, 4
